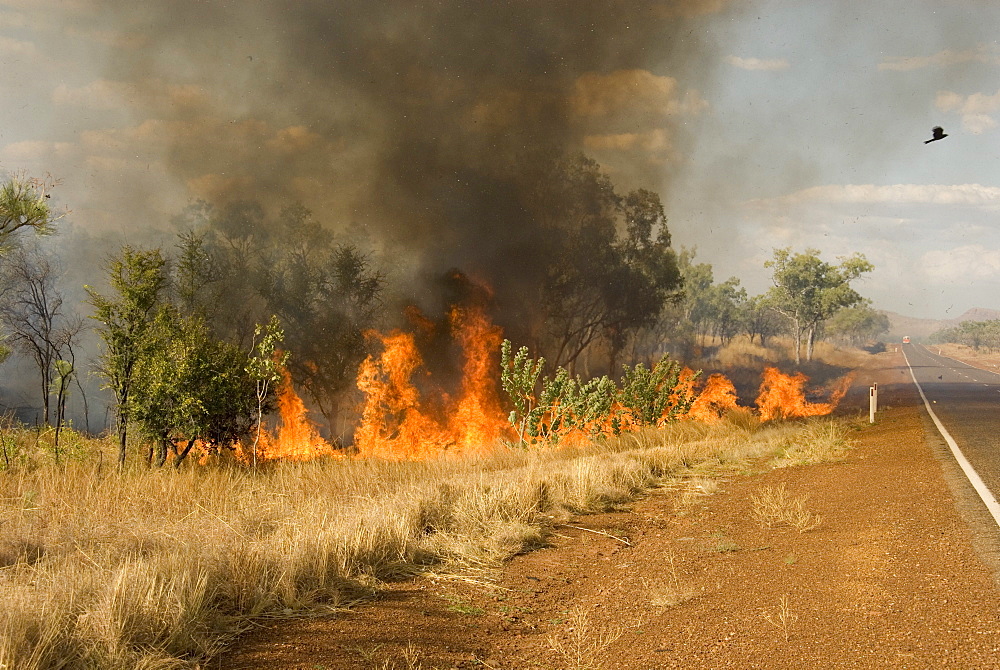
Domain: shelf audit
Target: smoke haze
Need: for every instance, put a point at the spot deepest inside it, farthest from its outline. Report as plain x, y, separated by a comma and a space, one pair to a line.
427, 126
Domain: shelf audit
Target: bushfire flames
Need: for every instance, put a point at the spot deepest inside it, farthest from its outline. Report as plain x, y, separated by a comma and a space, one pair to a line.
782, 396
397, 423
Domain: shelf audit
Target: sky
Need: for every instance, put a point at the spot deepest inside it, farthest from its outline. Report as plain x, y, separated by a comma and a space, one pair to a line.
763, 124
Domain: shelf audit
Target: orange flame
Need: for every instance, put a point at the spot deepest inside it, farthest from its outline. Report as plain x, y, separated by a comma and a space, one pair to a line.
478, 420
716, 398
296, 437
396, 424
782, 396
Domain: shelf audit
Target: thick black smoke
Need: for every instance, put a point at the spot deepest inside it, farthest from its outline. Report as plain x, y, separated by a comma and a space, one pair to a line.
432, 127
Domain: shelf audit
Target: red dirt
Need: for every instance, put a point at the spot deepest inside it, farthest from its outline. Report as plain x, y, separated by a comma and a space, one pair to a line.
891, 578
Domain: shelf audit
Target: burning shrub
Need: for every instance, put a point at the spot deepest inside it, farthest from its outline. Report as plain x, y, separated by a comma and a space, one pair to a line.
567, 405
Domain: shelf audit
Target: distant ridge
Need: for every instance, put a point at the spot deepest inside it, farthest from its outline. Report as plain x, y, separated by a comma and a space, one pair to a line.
900, 325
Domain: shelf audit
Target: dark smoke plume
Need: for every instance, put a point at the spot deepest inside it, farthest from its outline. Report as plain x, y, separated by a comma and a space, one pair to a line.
431, 126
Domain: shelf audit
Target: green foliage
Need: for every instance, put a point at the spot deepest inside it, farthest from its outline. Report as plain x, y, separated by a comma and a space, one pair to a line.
858, 324
266, 362
609, 268
138, 280
548, 408
518, 377
237, 266
191, 386
808, 291
24, 203
975, 334
654, 397
173, 377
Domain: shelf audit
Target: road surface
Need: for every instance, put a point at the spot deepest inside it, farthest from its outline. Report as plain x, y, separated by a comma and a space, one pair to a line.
966, 400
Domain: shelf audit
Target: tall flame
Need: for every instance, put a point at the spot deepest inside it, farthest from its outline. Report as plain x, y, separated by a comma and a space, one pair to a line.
478, 420
397, 424
716, 398
296, 437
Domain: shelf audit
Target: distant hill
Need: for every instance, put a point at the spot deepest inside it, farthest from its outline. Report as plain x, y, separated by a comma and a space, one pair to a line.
900, 325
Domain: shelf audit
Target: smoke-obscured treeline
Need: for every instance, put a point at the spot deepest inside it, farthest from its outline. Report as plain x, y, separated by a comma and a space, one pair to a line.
611, 291
975, 334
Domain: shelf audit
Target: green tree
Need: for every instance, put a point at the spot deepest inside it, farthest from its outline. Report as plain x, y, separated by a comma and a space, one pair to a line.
611, 269
191, 386
760, 319
24, 204
138, 281
237, 266
710, 308
807, 291
858, 324
264, 367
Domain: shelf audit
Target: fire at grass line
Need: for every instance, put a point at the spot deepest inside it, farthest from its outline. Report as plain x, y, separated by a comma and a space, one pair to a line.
399, 423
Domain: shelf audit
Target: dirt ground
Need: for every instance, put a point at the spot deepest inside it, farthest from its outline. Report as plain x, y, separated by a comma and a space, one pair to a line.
899, 573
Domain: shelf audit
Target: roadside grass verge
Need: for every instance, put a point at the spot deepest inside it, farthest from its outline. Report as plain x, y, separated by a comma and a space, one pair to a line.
158, 569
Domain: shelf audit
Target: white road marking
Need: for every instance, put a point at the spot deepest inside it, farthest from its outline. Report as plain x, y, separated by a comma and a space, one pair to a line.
977, 483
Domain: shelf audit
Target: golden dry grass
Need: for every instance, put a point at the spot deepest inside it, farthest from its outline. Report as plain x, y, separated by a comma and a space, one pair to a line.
773, 506
158, 569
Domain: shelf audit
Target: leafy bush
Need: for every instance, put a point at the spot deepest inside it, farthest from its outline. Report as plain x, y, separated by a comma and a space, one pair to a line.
549, 408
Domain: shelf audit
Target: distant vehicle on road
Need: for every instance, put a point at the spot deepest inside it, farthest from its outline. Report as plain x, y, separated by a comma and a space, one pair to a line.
906, 340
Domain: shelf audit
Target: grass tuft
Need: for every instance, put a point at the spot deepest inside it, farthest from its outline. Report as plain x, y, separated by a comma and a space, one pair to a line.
772, 506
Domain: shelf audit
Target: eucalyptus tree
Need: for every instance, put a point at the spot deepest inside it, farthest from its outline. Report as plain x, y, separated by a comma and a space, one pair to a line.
24, 204
807, 290
138, 281
34, 315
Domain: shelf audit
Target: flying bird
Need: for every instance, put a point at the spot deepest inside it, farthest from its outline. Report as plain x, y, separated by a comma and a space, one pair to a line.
939, 134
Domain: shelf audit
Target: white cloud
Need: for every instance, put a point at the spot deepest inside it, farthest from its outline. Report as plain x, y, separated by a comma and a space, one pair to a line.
984, 53
976, 110
895, 194
972, 261
758, 63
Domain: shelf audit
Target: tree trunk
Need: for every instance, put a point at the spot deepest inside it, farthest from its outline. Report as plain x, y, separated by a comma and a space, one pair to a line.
161, 456
121, 442
183, 454
798, 343
809, 343
122, 428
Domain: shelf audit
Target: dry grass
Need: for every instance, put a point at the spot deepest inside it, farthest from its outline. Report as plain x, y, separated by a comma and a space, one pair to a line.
158, 569
772, 506
820, 442
582, 645
784, 618
672, 590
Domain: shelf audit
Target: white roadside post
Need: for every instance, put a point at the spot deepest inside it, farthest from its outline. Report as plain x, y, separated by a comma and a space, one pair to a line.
871, 404
875, 386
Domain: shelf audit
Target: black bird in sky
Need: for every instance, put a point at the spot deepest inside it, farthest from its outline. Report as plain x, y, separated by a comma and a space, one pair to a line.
939, 134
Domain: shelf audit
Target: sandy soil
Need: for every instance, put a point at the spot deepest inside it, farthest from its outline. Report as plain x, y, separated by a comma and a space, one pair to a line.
897, 575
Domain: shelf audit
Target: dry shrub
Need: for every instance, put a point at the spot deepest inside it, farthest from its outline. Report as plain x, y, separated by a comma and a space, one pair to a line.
671, 590
784, 618
772, 506
582, 645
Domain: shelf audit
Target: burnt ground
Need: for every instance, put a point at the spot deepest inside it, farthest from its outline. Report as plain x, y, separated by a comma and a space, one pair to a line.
900, 573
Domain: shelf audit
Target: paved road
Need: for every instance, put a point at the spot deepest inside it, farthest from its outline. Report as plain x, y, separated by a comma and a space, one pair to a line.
966, 399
